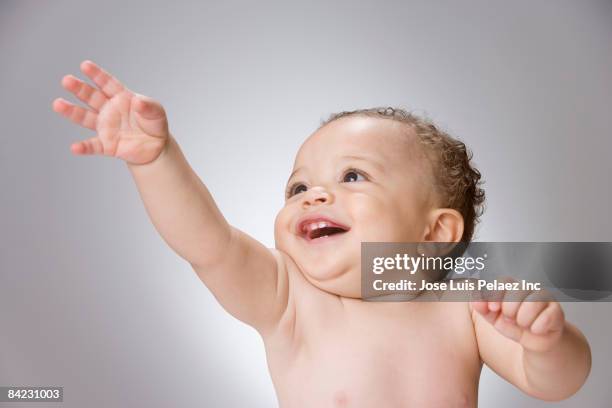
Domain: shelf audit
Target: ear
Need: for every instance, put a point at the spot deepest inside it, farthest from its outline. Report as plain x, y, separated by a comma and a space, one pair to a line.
443, 225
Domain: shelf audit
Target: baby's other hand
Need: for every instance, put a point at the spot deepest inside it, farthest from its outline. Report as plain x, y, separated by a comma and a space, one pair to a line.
129, 126
531, 318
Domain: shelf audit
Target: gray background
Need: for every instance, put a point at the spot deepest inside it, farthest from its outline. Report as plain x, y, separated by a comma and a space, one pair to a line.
91, 298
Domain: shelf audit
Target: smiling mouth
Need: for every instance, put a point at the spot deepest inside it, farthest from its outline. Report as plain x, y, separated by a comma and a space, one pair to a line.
321, 230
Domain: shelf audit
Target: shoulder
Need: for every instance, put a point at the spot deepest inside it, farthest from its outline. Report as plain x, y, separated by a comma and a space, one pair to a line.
306, 304
455, 306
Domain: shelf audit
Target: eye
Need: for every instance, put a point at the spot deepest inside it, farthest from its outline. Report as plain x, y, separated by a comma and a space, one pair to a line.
353, 175
296, 189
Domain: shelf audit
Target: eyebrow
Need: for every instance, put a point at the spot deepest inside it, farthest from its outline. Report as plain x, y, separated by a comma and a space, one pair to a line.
353, 157
292, 174
370, 160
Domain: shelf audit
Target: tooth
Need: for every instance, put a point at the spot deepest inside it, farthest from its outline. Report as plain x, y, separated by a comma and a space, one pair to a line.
316, 225
313, 226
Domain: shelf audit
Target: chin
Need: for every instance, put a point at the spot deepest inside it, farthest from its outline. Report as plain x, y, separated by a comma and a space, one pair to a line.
336, 280
328, 271
340, 289
323, 274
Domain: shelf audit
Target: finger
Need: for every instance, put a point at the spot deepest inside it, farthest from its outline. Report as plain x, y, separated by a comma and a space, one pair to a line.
512, 303
85, 92
90, 146
107, 83
529, 310
491, 317
499, 295
504, 324
481, 307
551, 319
508, 327
77, 114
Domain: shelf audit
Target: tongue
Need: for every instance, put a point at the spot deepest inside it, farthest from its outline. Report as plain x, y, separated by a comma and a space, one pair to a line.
320, 232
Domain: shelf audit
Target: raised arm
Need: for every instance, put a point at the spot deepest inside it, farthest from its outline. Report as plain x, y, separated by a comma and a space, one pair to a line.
248, 279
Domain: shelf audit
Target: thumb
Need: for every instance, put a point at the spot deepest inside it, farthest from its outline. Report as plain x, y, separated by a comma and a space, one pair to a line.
148, 108
482, 307
150, 116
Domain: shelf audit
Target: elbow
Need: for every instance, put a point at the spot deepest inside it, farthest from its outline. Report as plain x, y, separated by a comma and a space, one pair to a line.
560, 393
568, 386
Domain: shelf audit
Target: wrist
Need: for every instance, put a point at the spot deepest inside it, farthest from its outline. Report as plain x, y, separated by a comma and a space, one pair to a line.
164, 151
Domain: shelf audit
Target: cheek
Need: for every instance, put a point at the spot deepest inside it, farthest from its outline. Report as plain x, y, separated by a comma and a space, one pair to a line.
383, 219
365, 208
282, 224
370, 214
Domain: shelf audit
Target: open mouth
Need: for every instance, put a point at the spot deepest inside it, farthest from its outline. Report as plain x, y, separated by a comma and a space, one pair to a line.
321, 229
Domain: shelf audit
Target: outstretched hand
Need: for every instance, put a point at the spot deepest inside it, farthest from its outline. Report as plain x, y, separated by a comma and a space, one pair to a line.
530, 318
129, 126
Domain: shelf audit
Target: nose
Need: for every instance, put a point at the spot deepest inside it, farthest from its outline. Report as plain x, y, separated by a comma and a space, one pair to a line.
315, 196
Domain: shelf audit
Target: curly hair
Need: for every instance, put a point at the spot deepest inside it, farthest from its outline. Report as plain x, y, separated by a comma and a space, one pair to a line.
459, 184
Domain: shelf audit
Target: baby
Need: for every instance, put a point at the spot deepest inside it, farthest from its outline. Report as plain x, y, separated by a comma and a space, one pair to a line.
363, 176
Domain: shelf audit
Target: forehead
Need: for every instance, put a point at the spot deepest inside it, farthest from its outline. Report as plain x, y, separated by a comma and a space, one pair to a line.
388, 139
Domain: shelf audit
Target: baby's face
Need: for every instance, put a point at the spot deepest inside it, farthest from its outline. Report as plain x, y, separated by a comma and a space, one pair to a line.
357, 179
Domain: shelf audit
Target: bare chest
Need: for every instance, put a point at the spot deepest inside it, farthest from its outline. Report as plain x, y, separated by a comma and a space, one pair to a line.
380, 356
